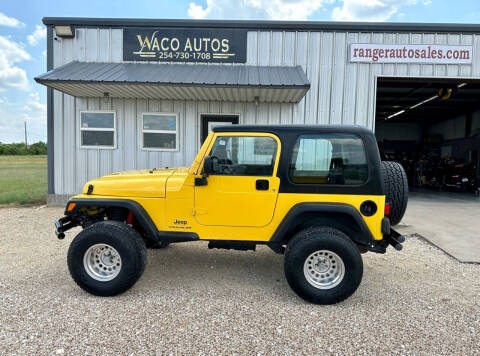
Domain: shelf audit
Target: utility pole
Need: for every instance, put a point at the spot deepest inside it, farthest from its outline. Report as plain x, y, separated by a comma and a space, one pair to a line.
25, 124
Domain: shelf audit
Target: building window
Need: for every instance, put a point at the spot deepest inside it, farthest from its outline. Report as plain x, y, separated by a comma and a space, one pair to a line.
160, 131
98, 129
329, 159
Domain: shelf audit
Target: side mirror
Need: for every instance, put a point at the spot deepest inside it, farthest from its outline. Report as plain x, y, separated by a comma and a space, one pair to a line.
208, 165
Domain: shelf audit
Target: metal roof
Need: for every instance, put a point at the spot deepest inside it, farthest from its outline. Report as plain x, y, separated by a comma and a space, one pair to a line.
267, 25
179, 81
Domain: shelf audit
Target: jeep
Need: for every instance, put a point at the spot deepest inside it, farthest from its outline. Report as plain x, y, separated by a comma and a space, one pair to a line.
317, 194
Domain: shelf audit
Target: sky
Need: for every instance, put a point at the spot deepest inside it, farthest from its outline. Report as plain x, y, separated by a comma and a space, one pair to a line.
23, 44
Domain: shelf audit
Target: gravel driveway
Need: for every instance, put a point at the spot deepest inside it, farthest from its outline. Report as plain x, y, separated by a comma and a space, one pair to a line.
195, 300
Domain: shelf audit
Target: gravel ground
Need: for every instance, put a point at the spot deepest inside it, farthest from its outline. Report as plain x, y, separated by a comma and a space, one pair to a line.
195, 300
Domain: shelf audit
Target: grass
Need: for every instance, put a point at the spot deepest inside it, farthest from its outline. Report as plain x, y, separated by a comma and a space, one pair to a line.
23, 179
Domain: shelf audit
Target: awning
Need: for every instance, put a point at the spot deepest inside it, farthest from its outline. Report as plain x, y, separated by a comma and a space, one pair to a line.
179, 81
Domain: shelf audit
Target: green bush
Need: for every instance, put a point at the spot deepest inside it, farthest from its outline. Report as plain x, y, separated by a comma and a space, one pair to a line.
15, 149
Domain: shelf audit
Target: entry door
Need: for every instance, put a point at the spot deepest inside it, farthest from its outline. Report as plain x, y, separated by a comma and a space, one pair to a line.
243, 189
211, 121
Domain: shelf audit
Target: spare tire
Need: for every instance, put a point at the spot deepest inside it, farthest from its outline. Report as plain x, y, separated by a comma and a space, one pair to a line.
396, 190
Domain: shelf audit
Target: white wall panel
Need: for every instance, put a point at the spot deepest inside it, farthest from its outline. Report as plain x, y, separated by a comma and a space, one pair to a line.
301, 55
362, 88
341, 93
375, 71
475, 68
389, 68
118, 155
441, 69
453, 69
350, 89
402, 69
427, 69
337, 83
313, 73
465, 70
415, 68
93, 155
105, 156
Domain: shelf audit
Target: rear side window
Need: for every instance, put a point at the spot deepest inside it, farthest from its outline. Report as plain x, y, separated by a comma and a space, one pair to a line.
329, 159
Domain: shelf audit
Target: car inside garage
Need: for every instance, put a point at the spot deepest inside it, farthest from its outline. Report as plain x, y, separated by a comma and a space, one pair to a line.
432, 128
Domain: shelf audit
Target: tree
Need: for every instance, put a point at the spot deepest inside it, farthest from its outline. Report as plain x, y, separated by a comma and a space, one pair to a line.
13, 149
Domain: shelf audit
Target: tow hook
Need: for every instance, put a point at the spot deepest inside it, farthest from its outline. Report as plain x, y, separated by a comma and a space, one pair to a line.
396, 240
62, 225
59, 230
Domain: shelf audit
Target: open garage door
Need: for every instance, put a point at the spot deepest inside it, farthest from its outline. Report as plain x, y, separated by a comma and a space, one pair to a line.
431, 127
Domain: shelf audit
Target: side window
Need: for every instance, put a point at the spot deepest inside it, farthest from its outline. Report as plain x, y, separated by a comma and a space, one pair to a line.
160, 131
97, 129
244, 155
329, 159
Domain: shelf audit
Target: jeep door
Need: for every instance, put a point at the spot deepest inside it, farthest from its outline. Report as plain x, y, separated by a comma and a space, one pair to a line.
243, 187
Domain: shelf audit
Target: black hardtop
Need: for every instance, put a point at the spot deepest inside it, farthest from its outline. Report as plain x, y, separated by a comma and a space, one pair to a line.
288, 135
290, 129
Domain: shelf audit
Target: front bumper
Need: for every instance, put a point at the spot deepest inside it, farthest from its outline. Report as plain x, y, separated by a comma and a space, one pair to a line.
62, 225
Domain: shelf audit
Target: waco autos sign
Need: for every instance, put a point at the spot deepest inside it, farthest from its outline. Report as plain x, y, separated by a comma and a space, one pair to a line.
184, 45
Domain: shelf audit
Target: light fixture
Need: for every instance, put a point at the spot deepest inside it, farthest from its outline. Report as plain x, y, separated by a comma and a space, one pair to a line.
64, 31
396, 114
440, 95
423, 102
106, 97
256, 100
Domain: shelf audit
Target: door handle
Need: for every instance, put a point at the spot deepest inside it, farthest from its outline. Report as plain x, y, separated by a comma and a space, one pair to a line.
262, 184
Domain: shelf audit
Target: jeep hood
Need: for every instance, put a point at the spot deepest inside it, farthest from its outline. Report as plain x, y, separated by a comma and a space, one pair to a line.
148, 183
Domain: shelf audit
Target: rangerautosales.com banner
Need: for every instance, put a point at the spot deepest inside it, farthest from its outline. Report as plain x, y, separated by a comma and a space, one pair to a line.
397, 53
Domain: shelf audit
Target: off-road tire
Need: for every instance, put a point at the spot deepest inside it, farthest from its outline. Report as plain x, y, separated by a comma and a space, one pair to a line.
313, 239
125, 240
396, 190
156, 245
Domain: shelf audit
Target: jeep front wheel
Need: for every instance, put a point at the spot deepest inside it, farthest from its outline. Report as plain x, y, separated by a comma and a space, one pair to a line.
322, 265
107, 258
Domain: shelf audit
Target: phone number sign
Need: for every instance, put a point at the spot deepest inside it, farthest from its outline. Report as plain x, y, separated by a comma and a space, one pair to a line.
185, 45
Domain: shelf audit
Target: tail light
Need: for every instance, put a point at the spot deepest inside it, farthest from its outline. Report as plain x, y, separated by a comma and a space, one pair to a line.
387, 209
130, 218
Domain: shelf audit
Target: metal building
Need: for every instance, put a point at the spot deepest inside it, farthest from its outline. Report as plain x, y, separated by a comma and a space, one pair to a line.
128, 94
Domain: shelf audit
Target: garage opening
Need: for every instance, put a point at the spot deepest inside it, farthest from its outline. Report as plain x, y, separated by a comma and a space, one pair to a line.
432, 128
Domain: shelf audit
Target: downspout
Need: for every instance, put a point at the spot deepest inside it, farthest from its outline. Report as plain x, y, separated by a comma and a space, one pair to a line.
50, 118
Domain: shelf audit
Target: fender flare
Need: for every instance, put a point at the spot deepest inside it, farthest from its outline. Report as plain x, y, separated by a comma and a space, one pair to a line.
281, 235
138, 211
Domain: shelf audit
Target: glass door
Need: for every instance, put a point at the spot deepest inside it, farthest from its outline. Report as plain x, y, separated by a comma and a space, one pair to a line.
209, 121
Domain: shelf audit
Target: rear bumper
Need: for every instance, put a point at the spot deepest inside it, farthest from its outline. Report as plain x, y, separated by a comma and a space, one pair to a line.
390, 238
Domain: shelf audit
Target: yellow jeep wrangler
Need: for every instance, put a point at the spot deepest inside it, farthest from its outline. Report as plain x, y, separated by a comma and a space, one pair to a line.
314, 193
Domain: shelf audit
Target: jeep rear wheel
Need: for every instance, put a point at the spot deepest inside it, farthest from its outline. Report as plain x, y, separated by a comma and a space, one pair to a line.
322, 265
107, 258
396, 190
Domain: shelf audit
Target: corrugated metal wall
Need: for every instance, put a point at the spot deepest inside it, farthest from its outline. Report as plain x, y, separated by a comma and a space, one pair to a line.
341, 93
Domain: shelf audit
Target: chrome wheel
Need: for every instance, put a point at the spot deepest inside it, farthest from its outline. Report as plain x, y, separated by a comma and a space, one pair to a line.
324, 269
102, 262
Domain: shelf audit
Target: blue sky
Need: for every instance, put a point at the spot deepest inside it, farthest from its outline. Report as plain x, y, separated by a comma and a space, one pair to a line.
22, 35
